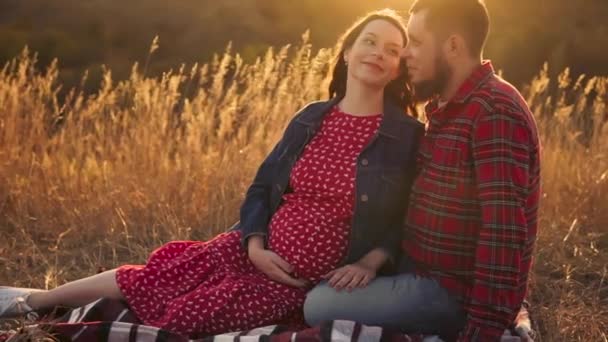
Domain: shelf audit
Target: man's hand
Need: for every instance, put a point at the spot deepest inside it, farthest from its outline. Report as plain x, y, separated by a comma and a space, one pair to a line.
274, 266
350, 276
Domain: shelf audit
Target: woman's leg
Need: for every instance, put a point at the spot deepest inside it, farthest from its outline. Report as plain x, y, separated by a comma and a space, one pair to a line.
77, 293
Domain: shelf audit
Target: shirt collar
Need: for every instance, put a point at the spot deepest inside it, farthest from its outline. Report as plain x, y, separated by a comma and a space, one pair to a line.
477, 77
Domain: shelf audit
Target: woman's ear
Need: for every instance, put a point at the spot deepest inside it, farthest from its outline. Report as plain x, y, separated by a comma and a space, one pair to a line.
345, 56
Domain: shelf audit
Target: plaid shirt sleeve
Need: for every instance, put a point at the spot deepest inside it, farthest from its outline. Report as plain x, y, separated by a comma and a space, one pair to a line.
501, 154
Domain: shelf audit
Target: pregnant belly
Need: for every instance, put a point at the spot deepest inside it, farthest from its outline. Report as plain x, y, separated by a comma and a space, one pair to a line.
313, 244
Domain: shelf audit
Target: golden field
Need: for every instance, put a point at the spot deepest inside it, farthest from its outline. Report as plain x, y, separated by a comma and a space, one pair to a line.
99, 180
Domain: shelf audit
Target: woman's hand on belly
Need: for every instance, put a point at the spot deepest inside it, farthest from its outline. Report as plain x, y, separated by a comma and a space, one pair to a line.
277, 269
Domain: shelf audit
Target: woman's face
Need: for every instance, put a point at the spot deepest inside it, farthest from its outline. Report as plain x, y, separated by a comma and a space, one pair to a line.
374, 57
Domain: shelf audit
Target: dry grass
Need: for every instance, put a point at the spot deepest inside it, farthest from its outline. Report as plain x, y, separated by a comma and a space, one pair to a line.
24, 331
103, 179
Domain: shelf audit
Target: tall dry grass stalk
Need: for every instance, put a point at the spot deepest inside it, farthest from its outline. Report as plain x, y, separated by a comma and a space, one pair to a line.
102, 179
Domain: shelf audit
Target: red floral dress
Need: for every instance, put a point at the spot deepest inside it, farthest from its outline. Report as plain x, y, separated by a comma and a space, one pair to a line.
204, 288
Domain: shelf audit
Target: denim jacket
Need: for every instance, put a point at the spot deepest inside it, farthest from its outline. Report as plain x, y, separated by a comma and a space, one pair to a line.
384, 174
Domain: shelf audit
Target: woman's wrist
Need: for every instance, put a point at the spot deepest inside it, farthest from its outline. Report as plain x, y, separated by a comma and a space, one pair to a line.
255, 243
374, 259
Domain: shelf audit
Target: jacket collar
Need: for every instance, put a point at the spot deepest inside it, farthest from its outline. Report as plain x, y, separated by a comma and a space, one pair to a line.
390, 126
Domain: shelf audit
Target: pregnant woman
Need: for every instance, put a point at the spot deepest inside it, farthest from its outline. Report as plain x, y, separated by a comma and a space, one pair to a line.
327, 203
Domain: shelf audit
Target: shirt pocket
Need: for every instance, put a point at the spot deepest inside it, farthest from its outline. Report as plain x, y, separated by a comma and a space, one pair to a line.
445, 166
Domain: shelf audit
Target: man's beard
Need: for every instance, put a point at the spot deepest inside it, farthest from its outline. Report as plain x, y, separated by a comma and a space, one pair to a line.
426, 90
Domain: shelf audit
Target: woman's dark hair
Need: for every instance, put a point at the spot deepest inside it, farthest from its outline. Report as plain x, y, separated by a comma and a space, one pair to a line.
399, 90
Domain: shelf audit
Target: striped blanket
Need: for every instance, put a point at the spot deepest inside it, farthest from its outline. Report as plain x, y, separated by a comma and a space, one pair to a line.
110, 320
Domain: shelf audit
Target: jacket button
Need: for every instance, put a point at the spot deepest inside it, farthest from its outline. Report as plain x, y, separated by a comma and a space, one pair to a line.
364, 162
364, 198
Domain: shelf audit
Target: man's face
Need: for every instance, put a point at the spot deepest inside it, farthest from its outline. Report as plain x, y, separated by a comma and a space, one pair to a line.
426, 64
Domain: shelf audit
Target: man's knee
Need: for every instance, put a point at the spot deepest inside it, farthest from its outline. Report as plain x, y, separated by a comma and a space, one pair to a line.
405, 302
323, 303
316, 308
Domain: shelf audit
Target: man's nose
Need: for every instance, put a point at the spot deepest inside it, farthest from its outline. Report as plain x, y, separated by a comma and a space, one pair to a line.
405, 52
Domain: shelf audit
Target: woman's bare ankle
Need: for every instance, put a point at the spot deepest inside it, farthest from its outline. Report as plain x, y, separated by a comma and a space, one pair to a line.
36, 300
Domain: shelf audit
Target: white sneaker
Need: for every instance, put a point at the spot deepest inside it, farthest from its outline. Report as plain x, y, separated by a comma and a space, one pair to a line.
13, 301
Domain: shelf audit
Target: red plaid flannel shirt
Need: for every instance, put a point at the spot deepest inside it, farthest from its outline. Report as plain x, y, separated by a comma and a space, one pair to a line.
472, 219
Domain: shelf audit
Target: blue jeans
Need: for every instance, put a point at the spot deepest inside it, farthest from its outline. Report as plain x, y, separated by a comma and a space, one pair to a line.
405, 302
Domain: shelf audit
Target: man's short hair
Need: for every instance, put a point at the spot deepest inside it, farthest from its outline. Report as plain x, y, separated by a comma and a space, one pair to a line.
467, 17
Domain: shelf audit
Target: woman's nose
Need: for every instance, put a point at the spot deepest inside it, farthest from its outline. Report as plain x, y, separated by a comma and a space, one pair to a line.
378, 54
